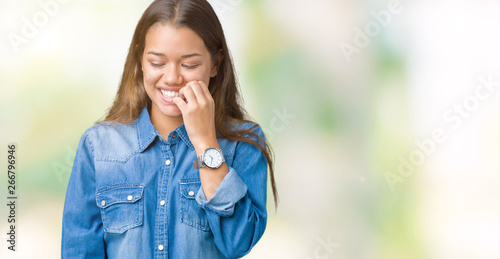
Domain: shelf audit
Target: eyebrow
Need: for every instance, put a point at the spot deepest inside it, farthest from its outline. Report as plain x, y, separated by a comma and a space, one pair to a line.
191, 55
183, 56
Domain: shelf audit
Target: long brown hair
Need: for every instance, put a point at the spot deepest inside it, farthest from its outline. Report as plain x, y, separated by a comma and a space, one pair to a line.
199, 16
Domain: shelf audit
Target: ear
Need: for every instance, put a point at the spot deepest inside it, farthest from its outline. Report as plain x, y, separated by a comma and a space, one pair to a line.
217, 63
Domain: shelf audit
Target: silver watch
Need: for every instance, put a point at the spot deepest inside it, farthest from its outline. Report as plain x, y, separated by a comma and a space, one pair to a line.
211, 158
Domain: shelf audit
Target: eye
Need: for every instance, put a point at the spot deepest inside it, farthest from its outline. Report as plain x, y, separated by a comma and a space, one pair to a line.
189, 67
156, 64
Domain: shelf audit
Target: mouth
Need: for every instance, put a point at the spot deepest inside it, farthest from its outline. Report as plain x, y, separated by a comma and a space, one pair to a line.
167, 95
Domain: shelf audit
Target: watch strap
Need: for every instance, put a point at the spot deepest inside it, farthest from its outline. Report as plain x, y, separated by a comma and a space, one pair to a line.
198, 162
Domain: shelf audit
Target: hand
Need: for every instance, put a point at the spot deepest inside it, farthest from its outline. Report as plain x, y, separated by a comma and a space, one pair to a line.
198, 113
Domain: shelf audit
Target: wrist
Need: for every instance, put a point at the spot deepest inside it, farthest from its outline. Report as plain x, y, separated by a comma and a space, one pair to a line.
211, 157
201, 146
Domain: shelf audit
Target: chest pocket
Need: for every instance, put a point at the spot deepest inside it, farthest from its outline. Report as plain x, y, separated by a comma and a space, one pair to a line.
122, 208
191, 213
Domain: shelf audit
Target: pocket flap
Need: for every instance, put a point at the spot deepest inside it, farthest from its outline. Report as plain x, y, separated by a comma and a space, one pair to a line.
189, 187
124, 194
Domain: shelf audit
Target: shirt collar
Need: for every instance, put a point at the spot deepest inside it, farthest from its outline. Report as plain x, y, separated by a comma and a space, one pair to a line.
146, 132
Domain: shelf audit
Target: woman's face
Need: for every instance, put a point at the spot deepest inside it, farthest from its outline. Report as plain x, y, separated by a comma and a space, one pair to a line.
173, 57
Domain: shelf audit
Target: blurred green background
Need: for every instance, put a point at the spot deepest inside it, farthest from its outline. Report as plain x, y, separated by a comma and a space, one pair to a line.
383, 116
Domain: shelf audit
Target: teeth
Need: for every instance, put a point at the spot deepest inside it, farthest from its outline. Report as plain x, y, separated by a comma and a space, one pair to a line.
169, 93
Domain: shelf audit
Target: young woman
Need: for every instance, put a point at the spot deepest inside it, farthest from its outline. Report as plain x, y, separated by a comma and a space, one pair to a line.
175, 170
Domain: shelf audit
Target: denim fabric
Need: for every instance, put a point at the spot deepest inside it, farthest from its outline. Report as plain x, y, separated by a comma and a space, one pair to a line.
132, 193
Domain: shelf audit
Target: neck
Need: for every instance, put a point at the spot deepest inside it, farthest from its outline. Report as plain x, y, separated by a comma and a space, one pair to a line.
164, 124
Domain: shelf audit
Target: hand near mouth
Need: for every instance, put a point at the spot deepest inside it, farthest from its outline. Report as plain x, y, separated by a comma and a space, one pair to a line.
198, 111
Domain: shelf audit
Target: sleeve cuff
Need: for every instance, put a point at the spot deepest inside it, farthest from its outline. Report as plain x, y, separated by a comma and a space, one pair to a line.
229, 192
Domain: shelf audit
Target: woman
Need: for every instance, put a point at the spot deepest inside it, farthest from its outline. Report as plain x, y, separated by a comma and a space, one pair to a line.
175, 170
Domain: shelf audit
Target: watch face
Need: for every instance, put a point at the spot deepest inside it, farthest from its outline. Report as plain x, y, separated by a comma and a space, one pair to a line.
212, 158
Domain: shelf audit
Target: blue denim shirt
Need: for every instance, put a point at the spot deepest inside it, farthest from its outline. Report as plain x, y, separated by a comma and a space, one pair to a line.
134, 194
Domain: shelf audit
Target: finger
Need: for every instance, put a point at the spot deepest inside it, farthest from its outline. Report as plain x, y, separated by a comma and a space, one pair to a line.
199, 93
180, 103
187, 91
205, 89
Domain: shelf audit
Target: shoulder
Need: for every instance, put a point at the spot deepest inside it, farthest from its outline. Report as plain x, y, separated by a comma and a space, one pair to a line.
248, 128
249, 131
112, 141
253, 131
111, 129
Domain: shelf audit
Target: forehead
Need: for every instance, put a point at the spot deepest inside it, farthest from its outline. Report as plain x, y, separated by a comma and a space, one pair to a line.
173, 41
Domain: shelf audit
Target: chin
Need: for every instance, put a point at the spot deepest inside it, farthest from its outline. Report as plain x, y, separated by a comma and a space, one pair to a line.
176, 115
172, 112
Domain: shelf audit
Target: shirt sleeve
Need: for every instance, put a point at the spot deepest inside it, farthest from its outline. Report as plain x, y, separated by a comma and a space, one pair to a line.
237, 211
82, 231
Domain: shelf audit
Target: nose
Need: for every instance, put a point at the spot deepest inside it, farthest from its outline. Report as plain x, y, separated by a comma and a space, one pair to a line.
171, 75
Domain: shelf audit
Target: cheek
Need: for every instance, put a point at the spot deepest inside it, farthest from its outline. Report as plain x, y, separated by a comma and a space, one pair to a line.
199, 74
151, 76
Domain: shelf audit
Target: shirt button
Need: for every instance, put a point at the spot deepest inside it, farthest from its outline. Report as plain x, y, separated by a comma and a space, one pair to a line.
160, 247
103, 202
162, 202
174, 135
191, 193
130, 197
168, 162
